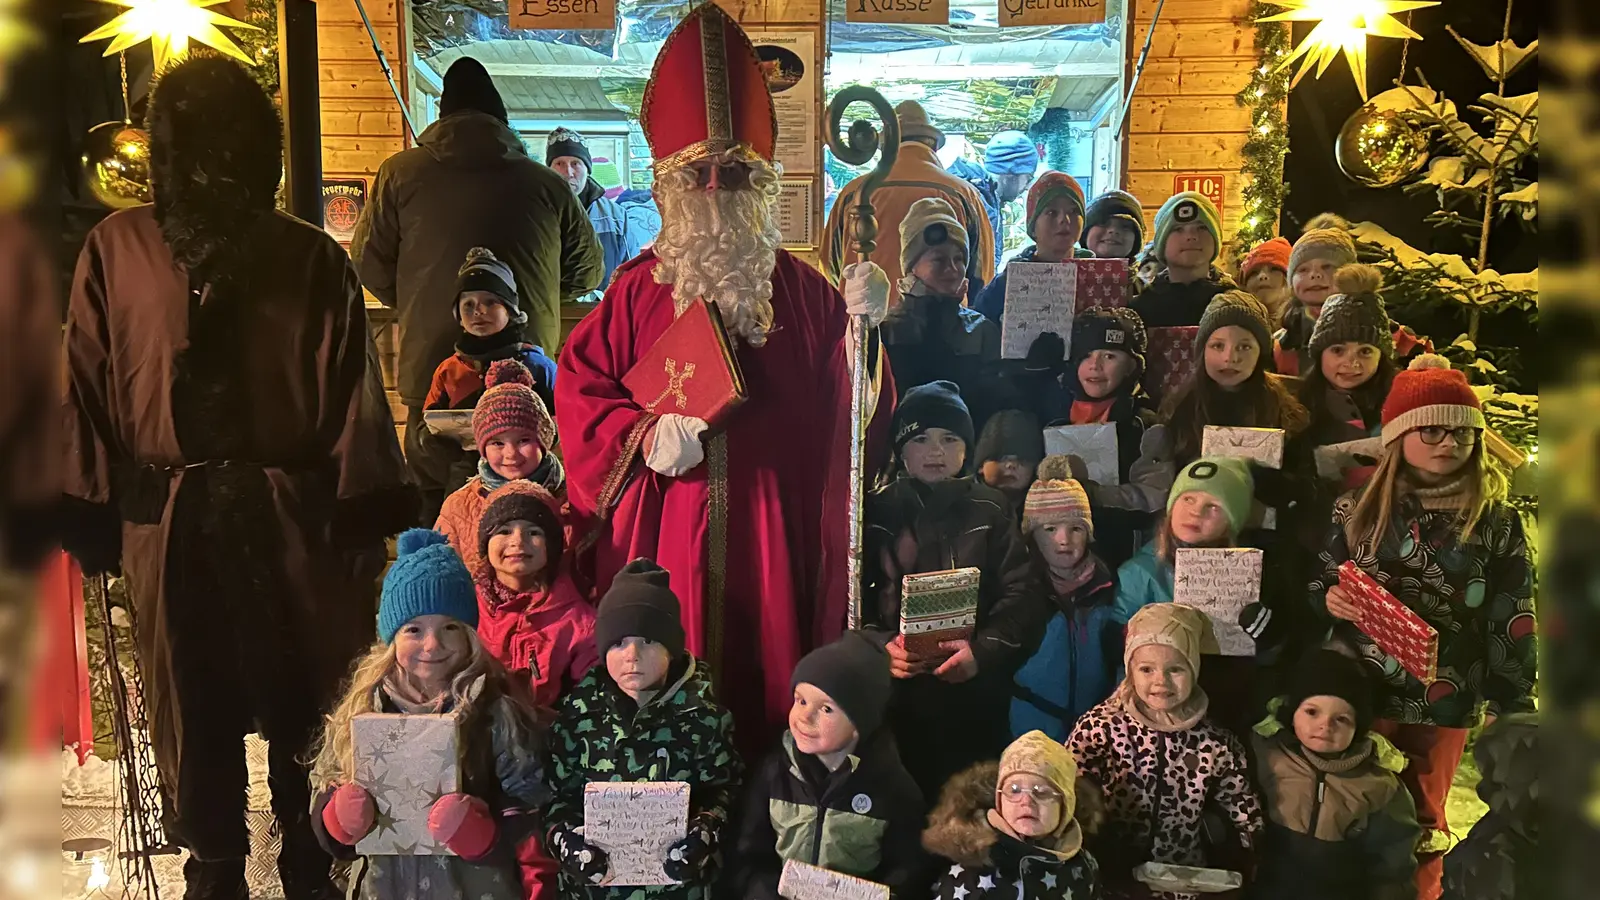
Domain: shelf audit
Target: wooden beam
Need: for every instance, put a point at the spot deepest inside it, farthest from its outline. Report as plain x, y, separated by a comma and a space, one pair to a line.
556, 70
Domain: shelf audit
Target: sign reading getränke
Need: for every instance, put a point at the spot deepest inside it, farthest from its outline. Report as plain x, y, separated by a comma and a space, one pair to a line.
1015, 13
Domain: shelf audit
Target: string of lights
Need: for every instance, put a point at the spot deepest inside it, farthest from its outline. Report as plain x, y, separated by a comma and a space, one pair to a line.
1263, 152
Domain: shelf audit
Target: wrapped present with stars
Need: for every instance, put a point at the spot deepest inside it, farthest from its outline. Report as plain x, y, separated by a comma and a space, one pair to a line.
406, 762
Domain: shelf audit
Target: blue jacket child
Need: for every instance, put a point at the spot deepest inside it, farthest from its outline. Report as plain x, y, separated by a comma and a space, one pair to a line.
1075, 666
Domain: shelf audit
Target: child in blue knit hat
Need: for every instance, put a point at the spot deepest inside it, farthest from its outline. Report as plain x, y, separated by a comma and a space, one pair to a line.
429, 661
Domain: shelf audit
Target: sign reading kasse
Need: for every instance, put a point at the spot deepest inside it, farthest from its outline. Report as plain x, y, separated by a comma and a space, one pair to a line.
898, 12
1016, 13
562, 15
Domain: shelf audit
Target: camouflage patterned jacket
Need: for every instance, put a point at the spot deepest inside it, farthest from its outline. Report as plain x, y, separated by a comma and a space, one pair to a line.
682, 734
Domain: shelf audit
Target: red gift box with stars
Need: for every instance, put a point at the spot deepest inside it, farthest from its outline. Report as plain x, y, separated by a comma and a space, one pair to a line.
1393, 626
1102, 282
1169, 360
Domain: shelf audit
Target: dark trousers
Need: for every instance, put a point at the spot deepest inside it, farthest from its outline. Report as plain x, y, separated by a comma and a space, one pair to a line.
435, 463
236, 668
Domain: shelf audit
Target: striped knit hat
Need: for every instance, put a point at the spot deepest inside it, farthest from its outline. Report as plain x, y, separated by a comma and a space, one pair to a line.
509, 401
1056, 497
1045, 191
1428, 393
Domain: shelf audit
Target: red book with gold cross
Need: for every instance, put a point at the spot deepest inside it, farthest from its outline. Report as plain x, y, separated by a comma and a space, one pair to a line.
690, 370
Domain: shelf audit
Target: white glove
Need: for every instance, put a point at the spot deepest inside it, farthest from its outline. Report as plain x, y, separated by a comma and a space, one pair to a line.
866, 291
675, 448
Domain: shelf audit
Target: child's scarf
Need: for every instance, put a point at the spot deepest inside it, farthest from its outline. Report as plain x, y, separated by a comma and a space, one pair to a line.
1450, 496
1183, 718
550, 475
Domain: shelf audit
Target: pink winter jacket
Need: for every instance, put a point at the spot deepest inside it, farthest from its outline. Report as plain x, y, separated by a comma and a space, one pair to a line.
545, 639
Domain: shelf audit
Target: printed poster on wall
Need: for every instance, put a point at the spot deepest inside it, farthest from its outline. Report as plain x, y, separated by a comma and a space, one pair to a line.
789, 62
794, 215
562, 15
343, 199
1015, 13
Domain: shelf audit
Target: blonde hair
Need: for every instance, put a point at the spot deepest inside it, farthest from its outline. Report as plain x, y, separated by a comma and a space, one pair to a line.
1363, 529
334, 762
1167, 542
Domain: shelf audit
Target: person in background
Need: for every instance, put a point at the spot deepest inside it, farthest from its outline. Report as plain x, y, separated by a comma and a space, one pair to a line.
644, 218
491, 329
1433, 527
1075, 666
1187, 241
1113, 226
1316, 256
835, 794
1054, 221
567, 152
932, 335
1265, 273
1149, 266
916, 176
468, 183
1016, 828
1010, 447
1010, 160
1340, 825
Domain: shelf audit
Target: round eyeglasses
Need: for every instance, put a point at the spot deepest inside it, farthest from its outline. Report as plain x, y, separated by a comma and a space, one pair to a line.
1465, 435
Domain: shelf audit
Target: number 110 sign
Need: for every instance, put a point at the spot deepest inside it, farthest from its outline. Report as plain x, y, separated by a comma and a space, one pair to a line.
1213, 186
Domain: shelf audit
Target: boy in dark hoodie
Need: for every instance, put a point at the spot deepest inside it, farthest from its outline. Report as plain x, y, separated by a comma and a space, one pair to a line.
1075, 666
835, 795
934, 516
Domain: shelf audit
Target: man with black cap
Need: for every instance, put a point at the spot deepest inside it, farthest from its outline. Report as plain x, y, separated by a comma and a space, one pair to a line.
567, 152
468, 183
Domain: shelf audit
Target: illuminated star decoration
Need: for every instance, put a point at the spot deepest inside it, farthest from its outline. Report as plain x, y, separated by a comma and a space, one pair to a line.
1343, 26
169, 25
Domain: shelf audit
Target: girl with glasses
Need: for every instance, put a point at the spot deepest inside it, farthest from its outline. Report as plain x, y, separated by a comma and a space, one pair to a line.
1432, 526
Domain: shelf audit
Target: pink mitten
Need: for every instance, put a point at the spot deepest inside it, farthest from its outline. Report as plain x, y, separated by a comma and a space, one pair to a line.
464, 824
349, 814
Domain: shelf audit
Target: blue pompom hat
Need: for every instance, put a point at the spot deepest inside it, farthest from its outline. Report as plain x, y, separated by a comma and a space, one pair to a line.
429, 578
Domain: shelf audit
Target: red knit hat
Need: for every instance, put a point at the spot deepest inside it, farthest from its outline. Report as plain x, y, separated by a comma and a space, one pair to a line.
1428, 393
1273, 253
509, 401
1047, 188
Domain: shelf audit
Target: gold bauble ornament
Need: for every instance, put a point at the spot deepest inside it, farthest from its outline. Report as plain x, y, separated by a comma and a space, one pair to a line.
116, 164
1379, 148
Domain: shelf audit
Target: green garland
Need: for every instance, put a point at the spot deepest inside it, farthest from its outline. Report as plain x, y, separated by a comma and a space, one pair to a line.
1263, 153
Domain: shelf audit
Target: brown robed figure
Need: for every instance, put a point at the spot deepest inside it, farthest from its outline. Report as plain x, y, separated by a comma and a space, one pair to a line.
230, 448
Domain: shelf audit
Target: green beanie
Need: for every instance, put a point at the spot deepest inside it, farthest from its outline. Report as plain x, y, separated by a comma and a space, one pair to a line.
1181, 209
1224, 478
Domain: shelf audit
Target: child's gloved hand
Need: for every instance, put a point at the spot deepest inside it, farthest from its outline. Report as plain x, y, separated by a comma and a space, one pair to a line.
1047, 353
582, 860
349, 814
463, 823
688, 857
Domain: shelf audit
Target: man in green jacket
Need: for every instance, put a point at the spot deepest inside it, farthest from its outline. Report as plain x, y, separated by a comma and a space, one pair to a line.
469, 183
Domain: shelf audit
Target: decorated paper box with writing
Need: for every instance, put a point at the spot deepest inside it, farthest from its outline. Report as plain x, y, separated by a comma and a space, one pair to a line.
1096, 445
936, 607
800, 881
1393, 626
635, 823
1102, 282
1259, 445
406, 762
1040, 297
1220, 583
1170, 360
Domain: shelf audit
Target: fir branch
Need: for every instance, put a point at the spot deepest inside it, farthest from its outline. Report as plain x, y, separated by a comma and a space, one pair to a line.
1268, 144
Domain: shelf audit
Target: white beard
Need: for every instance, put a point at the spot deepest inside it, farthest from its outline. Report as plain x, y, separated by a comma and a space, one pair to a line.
721, 246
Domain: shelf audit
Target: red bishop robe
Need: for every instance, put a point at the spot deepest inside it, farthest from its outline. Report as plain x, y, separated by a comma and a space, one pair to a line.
788, 481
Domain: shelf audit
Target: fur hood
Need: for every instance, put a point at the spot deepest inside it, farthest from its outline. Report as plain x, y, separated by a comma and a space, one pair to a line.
959, 830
